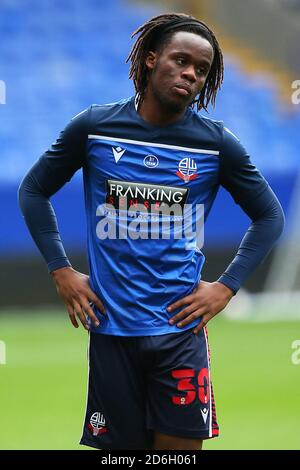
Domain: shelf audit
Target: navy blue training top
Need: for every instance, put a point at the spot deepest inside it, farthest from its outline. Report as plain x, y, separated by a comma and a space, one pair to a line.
147, 191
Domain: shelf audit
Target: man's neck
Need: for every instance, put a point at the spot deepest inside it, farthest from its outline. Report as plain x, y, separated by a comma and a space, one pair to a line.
156, 114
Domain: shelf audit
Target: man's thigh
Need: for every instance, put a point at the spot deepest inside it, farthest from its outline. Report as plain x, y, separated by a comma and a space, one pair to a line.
180, 397
116, 409
165, 442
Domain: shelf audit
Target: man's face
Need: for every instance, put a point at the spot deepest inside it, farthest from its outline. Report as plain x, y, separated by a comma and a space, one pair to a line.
178, 72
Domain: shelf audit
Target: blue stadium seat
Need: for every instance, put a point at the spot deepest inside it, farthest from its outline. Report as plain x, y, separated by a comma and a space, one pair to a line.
58, 56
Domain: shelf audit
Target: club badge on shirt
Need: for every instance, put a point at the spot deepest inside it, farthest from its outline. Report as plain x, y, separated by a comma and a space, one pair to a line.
187, 169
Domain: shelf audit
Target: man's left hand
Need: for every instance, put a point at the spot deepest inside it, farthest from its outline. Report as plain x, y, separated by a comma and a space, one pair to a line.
206, 300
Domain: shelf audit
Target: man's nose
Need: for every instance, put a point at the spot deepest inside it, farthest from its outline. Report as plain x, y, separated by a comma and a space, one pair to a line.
189, 73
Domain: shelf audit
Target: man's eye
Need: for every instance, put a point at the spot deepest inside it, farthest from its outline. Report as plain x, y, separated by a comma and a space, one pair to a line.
200, 71
180, 61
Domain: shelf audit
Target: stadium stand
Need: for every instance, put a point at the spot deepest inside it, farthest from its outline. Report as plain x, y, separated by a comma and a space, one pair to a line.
59, 56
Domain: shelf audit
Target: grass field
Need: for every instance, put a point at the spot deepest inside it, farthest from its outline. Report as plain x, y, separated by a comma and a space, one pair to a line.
43, 384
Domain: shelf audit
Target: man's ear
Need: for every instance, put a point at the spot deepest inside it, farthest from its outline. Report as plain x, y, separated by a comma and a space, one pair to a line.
151, 60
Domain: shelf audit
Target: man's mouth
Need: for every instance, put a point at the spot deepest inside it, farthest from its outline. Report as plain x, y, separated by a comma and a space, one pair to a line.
183, 89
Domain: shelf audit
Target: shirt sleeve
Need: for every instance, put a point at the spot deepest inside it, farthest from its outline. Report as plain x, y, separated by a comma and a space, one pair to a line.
253, 194
53, 169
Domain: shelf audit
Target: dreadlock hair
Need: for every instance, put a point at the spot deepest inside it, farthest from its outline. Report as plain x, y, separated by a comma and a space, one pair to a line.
154, 34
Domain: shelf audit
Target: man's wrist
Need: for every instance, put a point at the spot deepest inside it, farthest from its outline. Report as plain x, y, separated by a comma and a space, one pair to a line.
227, 290
60, 271
58, 263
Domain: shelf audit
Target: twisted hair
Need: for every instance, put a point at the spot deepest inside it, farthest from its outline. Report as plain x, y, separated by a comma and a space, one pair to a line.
154, 34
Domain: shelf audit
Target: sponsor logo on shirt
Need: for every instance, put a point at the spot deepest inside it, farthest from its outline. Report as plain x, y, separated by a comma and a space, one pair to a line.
134, 210
126, 195
151, 161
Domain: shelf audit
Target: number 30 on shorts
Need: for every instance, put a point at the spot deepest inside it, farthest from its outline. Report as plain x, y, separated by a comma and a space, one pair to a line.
184, 377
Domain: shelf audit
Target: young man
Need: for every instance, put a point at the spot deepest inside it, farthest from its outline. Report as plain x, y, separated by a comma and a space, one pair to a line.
144, 302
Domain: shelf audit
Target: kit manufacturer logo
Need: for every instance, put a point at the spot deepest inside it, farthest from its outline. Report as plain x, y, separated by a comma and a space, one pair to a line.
118, 153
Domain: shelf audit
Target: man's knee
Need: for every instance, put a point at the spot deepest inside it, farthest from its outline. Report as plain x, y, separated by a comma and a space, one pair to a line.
166, 442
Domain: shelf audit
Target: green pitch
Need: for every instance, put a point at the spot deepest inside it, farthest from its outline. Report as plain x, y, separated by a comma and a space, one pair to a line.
43, 384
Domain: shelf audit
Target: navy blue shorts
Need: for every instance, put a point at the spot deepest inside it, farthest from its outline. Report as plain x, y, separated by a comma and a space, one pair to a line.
138, 385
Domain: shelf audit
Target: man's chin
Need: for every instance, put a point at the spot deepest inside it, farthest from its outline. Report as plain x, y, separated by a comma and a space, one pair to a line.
176, 105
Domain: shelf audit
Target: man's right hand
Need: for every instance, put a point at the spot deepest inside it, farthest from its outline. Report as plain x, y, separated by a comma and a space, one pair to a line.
73, 287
